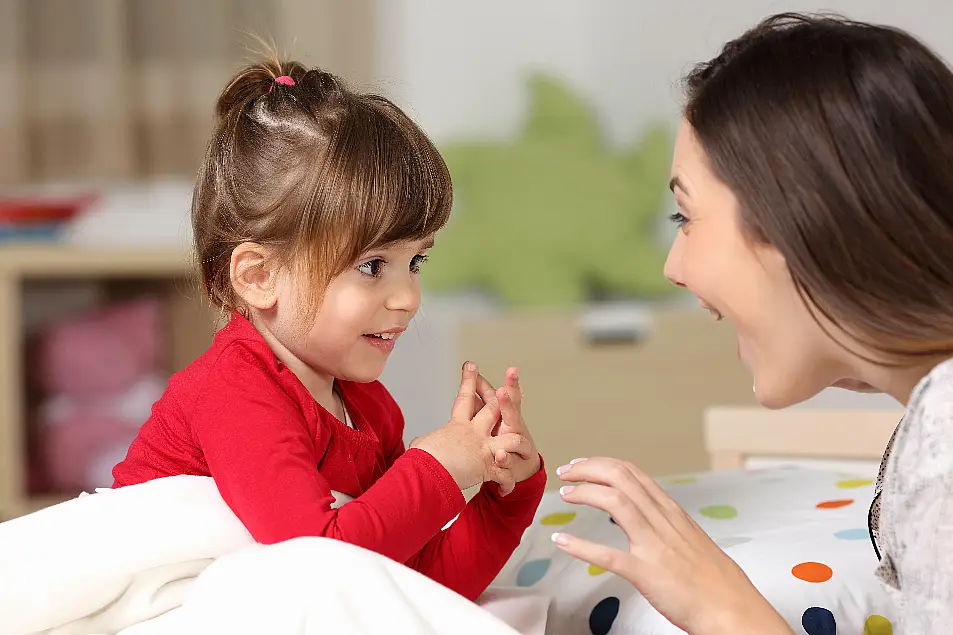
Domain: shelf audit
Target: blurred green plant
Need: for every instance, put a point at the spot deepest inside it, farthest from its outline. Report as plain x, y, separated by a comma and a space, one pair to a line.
556, 217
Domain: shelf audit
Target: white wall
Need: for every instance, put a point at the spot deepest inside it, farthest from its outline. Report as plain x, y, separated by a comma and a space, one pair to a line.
458, 67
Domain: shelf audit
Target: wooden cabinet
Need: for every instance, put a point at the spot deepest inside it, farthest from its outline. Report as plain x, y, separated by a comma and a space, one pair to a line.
121, 273
643, 401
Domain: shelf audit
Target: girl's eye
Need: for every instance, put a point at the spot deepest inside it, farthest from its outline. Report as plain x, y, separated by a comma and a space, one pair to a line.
372, 268
418, 262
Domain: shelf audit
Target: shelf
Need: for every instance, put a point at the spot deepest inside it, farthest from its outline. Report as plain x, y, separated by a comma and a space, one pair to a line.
167, 272
77, 261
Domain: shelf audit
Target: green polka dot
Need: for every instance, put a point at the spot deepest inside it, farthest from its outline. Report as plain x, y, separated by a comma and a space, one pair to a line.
559, 518
877, 625
720, 512
851, 483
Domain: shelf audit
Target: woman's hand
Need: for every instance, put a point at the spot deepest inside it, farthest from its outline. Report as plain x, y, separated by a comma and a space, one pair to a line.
671, 560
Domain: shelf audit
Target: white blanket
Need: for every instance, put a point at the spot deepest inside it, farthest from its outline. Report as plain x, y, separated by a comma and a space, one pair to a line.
169, 558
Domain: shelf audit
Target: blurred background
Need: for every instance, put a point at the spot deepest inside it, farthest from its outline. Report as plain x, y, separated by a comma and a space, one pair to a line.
556, 118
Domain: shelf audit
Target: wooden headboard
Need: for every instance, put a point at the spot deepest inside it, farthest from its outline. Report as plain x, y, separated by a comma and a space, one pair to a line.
735, 435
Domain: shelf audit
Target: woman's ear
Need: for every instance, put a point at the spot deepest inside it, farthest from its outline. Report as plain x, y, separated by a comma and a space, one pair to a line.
252, 276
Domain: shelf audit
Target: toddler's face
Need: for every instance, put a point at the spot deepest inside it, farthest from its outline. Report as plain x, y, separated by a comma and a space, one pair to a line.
363, 313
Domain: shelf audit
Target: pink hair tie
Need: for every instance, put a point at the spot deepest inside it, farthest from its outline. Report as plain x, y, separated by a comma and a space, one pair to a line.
284, 80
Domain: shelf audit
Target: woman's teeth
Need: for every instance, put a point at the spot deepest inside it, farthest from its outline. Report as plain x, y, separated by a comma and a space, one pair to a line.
383, 336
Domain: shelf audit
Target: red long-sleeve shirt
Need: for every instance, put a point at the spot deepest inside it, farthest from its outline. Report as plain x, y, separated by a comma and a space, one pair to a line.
240, 416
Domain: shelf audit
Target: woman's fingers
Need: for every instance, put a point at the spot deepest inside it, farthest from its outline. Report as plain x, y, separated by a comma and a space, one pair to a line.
626, 513
629, 485
614, 560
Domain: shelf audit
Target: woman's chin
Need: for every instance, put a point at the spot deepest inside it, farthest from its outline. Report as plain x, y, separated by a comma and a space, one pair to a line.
855, 385
780, 395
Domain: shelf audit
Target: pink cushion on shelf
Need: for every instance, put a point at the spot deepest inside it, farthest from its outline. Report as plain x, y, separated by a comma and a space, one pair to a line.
103, 351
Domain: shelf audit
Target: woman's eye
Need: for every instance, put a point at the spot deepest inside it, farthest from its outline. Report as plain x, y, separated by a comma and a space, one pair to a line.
679, 219
372, 268
417, 262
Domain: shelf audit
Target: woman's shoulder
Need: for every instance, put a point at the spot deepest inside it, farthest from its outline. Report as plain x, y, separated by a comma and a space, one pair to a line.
918, 505
928, 422
936, 387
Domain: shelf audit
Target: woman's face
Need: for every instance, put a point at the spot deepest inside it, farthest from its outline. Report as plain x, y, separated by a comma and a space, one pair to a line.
748, 284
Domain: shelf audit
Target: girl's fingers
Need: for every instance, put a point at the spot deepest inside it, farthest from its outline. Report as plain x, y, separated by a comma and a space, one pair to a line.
488, 417
510, 412
513, 443
503, 459
512, 383
485, 389
504, 478
463, 404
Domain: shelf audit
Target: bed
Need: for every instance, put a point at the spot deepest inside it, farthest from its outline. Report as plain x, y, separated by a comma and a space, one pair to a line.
786, 497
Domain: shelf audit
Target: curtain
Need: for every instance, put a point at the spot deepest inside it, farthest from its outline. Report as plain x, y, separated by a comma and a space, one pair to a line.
116, 90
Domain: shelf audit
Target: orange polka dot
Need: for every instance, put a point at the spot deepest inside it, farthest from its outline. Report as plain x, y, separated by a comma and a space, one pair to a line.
835, 504
812, 572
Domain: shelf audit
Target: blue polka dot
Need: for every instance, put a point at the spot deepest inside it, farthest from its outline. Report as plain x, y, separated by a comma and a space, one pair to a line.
818, 621
603, 615
859, 533
532, 572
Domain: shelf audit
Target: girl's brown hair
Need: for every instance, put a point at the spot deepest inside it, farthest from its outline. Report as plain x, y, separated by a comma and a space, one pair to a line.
318, 173
837, 138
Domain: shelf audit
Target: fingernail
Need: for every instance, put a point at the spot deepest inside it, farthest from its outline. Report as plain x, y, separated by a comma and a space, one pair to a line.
565, 489
574, 461
562, 469
560, 539
470, 366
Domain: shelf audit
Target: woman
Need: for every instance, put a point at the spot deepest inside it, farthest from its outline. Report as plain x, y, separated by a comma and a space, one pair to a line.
814, 178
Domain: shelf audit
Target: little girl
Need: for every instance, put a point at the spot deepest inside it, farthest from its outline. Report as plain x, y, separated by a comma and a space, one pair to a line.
312, 213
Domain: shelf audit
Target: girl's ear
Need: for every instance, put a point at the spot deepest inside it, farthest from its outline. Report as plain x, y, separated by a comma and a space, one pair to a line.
252, 276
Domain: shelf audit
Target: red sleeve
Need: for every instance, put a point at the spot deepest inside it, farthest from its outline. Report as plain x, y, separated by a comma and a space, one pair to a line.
260, 452
467, 556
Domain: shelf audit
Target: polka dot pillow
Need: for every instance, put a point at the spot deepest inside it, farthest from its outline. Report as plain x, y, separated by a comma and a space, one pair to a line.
800, 535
